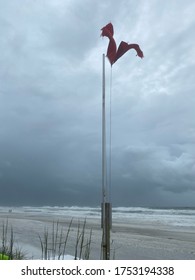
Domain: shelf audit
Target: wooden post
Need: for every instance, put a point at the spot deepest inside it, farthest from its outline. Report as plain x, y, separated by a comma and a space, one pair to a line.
106, 227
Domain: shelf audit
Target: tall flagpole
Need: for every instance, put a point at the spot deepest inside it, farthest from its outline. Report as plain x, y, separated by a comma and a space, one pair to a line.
113, 55
106, 205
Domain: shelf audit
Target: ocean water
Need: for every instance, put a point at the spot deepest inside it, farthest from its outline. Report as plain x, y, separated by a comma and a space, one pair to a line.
181, 217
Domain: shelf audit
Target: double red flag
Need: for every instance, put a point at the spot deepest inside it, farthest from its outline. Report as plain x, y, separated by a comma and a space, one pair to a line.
113, 53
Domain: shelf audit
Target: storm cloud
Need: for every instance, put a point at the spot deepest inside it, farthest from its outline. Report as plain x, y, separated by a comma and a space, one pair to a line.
50, 103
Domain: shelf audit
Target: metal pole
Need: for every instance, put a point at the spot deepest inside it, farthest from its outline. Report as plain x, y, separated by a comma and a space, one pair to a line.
103, 132
106, 206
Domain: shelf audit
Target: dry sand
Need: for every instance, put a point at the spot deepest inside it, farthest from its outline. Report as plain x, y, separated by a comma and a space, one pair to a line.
131, 241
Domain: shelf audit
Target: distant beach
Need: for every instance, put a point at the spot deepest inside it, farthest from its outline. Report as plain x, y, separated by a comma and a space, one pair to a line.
137, 233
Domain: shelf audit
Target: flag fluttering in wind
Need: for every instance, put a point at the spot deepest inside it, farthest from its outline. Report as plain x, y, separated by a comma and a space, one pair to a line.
113, 53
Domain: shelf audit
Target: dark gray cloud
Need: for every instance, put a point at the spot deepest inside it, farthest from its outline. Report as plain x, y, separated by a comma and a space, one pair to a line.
50, 103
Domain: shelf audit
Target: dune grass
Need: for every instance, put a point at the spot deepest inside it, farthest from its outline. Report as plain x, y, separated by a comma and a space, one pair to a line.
8, 250
53, 242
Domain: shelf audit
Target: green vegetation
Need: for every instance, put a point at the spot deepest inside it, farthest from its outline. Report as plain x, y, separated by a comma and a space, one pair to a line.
8, 251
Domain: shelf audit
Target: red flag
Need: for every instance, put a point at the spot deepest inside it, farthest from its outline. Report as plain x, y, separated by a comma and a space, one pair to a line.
113, 53
108, 31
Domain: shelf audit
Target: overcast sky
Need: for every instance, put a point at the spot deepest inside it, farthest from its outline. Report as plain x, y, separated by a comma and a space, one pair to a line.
50, 102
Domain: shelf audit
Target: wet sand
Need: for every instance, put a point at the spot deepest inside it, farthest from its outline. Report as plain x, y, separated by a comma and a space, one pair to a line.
129, 241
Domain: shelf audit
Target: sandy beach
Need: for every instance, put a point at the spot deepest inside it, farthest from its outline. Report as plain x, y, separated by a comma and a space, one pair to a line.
134, 240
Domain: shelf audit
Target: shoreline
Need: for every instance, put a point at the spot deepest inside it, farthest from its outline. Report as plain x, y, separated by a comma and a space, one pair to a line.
134, 240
